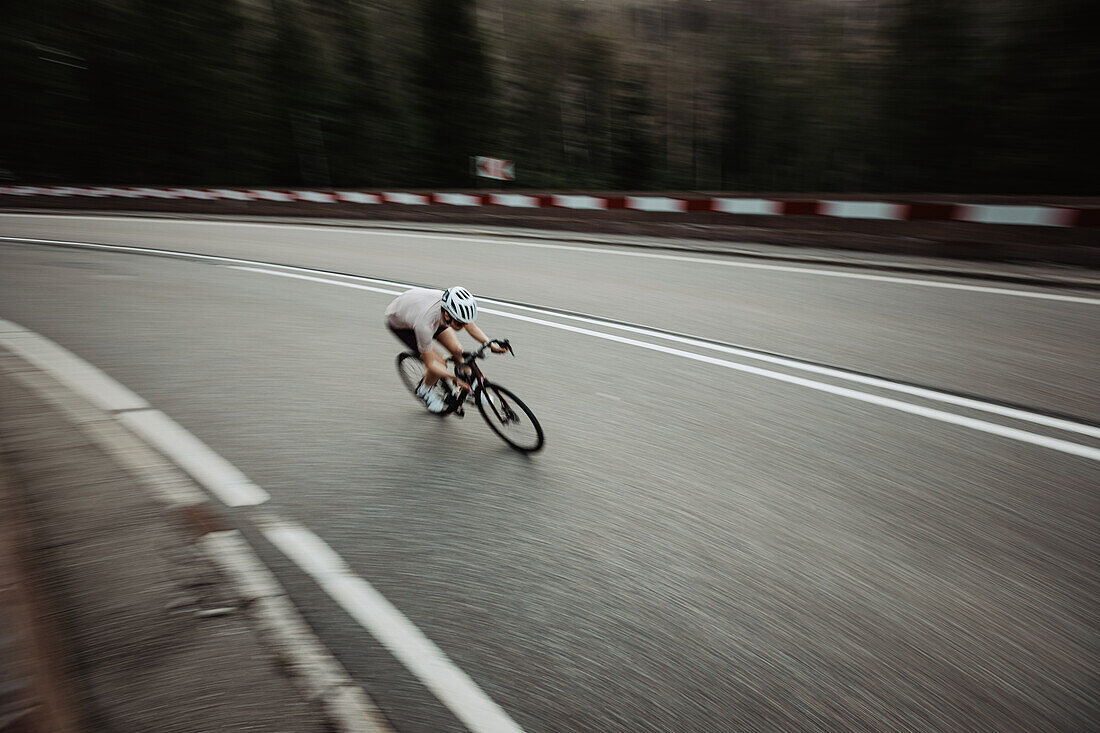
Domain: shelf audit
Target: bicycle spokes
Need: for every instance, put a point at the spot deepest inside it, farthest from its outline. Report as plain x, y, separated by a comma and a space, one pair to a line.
501, 410
509, 418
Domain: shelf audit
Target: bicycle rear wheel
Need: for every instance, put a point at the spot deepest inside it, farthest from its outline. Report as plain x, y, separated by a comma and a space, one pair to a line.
509, 418
411, 370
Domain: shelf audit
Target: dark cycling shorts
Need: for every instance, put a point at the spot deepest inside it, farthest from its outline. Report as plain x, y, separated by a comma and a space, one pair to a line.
408, 336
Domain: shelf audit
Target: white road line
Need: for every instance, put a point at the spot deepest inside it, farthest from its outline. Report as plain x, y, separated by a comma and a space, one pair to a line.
69, 369
987, 427
310, 663
367, 606
153, 470
385, 622
314, 668
930, 394
993, 428
1010, 412
631, 253
204, 465
789, 268
218, 475
326, 280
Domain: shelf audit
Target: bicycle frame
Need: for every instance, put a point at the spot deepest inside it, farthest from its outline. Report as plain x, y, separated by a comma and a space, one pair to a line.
506, 414
477, 380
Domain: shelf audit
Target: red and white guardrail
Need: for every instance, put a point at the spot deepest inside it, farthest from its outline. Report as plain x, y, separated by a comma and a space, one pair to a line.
1030, 215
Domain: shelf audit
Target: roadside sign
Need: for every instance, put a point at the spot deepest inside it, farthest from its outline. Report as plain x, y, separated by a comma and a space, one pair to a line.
495, 168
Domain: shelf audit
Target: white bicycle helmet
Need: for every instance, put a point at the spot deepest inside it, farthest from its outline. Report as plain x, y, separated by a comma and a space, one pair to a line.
460, 304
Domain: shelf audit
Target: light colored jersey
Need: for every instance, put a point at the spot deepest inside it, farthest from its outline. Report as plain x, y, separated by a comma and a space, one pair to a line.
419, 309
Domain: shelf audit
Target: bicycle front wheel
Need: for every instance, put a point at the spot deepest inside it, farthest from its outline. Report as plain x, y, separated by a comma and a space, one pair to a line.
509, 418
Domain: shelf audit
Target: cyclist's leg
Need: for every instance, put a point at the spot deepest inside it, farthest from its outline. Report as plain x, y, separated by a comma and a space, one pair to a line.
449, 340
431, 357
444, 335
406, 336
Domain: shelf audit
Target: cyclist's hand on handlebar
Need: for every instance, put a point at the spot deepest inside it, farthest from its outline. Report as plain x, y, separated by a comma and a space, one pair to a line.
498, 349
462, 375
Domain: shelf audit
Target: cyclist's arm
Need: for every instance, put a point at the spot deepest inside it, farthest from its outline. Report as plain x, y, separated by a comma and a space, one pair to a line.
480, 337
434, 363
437, 367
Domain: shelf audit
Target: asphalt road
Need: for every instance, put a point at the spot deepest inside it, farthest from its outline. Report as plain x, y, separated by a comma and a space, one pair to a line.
708, 542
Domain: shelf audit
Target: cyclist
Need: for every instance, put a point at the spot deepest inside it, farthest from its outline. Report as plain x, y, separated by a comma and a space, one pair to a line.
418, 316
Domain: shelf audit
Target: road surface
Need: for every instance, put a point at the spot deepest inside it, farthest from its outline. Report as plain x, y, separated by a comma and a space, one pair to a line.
773, 496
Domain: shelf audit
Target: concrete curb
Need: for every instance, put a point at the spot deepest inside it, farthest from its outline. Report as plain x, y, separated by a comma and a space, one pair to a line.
303, 656
35, 694
310, 667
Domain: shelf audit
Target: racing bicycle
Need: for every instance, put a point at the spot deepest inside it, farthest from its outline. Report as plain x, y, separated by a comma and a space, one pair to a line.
505, 413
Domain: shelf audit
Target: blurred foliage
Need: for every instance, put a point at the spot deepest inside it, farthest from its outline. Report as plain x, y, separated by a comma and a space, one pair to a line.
994, 96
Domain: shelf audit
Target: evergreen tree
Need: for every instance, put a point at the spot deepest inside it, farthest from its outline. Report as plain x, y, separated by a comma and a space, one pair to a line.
632, 151
358, 129
457, 95
593, 69
931, 115
920, 95
44, 127
1047, 110
301, 100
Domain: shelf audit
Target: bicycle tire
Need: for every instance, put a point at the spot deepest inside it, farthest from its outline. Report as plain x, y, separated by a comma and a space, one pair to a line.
498, 406
411, 370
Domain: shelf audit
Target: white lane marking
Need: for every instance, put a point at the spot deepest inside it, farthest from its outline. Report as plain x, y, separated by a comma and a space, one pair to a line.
960, 401
152, 469
326, 280
208, 468
218, 475
617, 253
69, 369
930, 394
804, 271
947, 417
310, 663
313, 666
385, 622
453, 687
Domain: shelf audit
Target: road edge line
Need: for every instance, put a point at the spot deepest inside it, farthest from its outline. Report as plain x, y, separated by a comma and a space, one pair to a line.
305, 660
858, 259
298, 649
